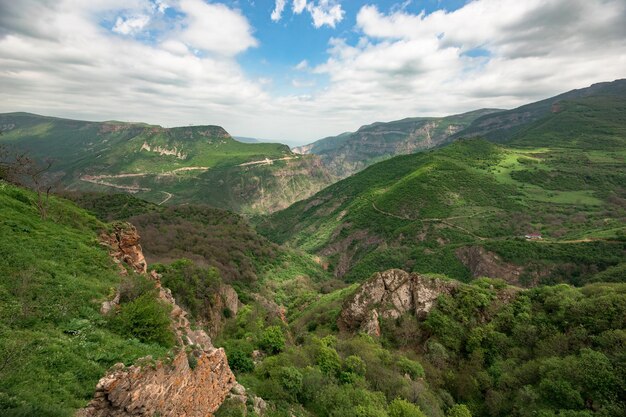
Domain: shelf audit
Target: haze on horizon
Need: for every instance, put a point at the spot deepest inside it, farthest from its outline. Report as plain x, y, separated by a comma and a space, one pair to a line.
299, 70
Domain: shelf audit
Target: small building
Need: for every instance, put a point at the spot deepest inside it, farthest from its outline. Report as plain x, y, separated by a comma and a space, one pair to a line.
533, 236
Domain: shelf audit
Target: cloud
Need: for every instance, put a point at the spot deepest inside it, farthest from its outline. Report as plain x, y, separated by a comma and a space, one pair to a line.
278, 10
302, 65
130, 25
298, 6
323, 12
215, 28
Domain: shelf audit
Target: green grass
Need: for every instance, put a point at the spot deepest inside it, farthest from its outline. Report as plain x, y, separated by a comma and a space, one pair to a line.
53, 276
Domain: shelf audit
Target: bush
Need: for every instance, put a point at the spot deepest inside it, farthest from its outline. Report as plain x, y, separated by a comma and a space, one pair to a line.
238, 360
272, 340
355, 365
459, 410
413, 368
403, 408
328, 360
146, 319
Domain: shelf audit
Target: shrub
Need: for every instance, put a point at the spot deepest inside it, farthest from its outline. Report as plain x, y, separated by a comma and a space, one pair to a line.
413, 368
403, 408
355, 365
146, 319
328, 360
459, 410
272, 340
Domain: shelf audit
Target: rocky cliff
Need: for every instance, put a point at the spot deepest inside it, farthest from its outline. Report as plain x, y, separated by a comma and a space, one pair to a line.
390, 294
194, 382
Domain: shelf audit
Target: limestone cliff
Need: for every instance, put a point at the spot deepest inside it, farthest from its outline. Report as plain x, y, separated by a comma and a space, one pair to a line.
194, 383
390, 294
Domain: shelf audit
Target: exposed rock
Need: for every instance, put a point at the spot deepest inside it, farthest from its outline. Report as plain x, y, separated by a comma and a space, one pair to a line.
195, 383
173, 389
107, 306
483, 263
230, 298
124, 247
390, 294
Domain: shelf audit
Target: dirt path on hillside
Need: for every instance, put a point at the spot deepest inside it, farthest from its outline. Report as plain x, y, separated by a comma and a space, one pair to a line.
169, 195
267, 161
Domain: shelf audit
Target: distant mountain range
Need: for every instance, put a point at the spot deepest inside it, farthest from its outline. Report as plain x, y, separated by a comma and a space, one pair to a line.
350, 152
197, 164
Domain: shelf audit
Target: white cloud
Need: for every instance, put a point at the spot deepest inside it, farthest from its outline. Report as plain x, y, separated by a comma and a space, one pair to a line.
278, 10
302, 65
325, 12
302, 83
130, 25
215, 28
161, 6
298, 6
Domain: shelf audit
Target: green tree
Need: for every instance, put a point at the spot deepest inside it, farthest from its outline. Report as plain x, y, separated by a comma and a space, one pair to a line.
272, 340
459, 410
403, 408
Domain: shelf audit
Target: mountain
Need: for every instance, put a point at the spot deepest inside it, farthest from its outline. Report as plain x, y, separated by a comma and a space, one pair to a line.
195, 164
503, 126
350, 152
464, 209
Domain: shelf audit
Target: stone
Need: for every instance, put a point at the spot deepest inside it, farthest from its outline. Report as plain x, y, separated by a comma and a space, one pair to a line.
391, 294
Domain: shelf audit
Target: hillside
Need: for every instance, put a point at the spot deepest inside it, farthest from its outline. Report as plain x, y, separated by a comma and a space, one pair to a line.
352, 151
54, 343
196, 164
503, 126
464, 209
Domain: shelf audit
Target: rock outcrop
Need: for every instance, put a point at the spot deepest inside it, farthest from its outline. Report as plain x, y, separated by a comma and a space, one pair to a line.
124, 247
390, 294
194, 383
164, 389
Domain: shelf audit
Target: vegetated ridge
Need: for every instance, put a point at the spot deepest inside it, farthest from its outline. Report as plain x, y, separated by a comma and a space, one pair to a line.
465, 209
194, 164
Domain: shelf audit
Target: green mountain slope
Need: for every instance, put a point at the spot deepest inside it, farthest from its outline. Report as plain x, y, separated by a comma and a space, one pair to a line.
54, 343
503, 126
186, 164
352, 151
464, 209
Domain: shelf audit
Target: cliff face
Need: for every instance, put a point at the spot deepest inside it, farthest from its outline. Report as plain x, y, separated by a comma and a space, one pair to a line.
194, 383
164, 389
390, 294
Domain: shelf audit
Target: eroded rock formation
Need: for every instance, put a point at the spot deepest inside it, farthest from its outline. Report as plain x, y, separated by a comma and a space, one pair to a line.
194, 383
124, 247
390, 294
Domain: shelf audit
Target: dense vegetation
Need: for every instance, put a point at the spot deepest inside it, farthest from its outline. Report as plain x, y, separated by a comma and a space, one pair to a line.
417, 211
488, 350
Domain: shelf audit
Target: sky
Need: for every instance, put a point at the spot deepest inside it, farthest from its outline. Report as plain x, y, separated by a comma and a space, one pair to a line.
298, 70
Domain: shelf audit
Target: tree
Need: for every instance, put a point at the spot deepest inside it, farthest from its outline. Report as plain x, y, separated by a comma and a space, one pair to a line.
459, 410
272, 340
21, 169
403, 408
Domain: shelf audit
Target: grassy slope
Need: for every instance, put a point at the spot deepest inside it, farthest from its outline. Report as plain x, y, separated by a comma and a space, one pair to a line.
113, 148
413, 211
54, 344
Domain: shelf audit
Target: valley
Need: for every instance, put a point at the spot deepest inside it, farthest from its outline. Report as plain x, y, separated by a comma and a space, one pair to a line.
178, 272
